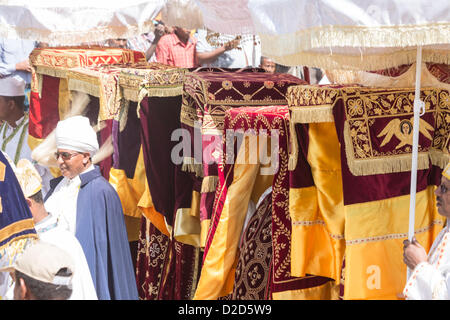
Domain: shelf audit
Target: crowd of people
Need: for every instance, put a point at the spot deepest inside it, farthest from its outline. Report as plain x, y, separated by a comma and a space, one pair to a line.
83, 251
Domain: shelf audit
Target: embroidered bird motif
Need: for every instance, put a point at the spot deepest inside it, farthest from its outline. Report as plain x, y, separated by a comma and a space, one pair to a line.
403, 131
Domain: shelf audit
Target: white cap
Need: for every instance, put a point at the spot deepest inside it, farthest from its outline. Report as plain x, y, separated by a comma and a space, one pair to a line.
75, 133
12, 86
42, 261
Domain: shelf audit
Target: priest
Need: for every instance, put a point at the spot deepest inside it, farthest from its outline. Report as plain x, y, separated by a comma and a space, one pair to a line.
89, 207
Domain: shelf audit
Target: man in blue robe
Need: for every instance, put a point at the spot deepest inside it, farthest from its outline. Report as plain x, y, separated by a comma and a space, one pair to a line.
87, 205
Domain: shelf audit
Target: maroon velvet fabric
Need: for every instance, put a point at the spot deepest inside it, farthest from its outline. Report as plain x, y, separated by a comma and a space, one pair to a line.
360, 189
127, 143
269, 118
170, 187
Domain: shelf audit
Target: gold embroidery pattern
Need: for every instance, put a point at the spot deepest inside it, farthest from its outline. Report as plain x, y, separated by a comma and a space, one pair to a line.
378, 125
318, 222
151, 255
393, 236
252, 270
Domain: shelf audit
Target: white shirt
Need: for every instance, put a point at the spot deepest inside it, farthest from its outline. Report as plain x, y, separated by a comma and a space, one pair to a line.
249, 55
11, 148
430, 280
63, 201
82, 285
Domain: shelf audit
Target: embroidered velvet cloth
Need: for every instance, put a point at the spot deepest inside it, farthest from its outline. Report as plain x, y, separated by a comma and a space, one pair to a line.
377, 124
173, 272
226, 206
207, 95
166, 269
373, 128
49, 85
253, 271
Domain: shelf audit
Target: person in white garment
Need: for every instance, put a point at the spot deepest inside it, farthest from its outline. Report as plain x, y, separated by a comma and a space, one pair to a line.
48, 230
43, 272
89, 207
430, 278
14, 127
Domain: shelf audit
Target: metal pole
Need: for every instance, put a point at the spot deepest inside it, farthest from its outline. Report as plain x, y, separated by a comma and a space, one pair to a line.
418, 107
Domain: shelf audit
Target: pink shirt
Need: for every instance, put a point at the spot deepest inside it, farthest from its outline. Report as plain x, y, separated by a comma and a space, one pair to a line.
171, 51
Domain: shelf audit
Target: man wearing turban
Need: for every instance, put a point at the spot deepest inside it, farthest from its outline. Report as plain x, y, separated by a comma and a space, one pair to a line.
89, 207
14, 129
430, 278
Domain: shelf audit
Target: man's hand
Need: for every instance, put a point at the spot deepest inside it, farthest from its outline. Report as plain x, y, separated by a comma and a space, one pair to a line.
23, 66
413, 253
231, 44
160, 30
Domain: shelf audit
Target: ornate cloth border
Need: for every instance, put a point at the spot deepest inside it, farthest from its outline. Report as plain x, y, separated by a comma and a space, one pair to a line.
154, 79
378, 124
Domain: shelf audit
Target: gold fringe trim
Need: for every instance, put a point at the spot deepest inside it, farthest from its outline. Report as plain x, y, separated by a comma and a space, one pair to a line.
123, 114
164, 91
313, 114
302, 47
189, 165
86, 87
293, 143
390, 164
141, 95
130, 94
52, 71
367, 62
209, 184
394, 235
75, 37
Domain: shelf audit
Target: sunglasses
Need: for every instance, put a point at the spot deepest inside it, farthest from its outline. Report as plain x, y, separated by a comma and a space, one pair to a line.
65, 155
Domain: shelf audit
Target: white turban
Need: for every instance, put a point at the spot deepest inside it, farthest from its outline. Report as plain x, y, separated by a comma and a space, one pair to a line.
75, 133
12, 86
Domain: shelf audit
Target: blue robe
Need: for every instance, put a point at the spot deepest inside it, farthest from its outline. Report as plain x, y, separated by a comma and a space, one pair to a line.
101, 231
16, 221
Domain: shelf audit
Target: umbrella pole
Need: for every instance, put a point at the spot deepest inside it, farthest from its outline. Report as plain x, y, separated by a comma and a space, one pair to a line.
418, 108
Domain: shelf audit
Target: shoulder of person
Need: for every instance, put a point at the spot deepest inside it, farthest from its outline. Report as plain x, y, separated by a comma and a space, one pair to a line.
167, 38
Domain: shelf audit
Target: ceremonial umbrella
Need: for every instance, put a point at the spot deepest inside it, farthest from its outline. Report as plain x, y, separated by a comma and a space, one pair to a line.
329, 34
75, 22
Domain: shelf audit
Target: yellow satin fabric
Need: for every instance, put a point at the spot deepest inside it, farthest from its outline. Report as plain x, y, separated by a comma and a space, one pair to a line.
218, 271
187, 227
145, 204
374, 233
130, 190
135, 198
317, 212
